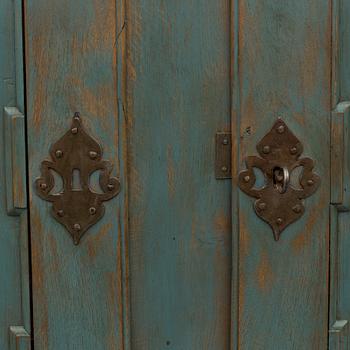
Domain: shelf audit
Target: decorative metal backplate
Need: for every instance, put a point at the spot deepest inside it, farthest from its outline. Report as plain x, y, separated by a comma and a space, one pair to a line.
77, 209
278, 202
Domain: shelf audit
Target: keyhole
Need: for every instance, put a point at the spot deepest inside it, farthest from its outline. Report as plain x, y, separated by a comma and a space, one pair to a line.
76, 183
280, 179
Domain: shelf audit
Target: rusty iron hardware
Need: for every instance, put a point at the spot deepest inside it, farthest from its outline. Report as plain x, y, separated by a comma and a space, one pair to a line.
278, 202
77, 209
223, 156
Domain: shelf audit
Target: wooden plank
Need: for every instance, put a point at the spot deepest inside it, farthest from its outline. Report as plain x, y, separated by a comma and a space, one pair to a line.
72, 65
340, 244
180, 241
14, 273
284, 69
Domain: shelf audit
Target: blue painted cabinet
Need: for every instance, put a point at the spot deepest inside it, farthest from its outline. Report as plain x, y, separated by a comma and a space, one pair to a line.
133, 212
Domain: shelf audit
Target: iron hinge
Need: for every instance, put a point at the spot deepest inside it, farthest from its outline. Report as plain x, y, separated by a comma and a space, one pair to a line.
15, 161
223, 168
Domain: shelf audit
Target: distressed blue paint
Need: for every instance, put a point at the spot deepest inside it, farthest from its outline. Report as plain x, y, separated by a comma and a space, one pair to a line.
340, 216
14, 301
180, 240
71, 61
284, 63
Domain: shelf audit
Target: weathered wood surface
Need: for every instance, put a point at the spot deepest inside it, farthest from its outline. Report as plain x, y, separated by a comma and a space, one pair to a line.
180, 242
14, 281
340, 216
283, 64
71, 61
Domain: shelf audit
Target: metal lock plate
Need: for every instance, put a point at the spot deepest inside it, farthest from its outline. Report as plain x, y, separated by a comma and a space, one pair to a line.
278, 202
76, 209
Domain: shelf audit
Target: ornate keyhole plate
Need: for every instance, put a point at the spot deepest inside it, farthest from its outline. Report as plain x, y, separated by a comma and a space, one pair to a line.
278, 202
77, 209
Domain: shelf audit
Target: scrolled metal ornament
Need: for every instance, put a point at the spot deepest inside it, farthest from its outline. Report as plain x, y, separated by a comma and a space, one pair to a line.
278, 203
77, 209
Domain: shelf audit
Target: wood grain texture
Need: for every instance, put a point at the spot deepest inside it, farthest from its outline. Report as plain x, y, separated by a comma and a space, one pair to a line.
14, 279
340, 217
180, 241
71, 60
284, 69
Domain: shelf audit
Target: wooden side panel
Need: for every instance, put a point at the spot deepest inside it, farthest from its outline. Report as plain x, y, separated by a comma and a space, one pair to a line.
14, 281
180, 240
71, 61
284, 70
340, 244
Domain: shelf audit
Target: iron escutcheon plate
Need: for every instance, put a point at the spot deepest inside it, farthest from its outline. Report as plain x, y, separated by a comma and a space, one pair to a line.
279, 207
77, 209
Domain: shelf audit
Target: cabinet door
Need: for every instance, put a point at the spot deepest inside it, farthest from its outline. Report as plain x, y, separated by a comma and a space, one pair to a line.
125, 100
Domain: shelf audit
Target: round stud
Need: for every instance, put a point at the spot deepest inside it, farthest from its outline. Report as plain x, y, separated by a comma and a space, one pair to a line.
293, 150
310, 182
225, 142
110, 187
247, 178
76, 227
60, 213
92, 210
279, 221
224, 169
43, 186
262, 206
297, 209
59, 153
266, 149
280, 129
74, 131
93, 154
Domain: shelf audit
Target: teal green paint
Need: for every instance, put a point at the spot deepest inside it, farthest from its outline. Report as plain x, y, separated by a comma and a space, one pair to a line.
340, 217
180, 240
71, 66
284, 70
14, 301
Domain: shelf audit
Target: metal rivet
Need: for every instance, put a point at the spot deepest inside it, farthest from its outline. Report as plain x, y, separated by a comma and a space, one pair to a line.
60, 213
280, 129
92, 210
266, 149
297, 209
225, 142
247, 178
74, 131
110, 187
76, 227
279, 221
293, 150
59, 153
92, 154
262, 206
43, 186
224, 169
310, 182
